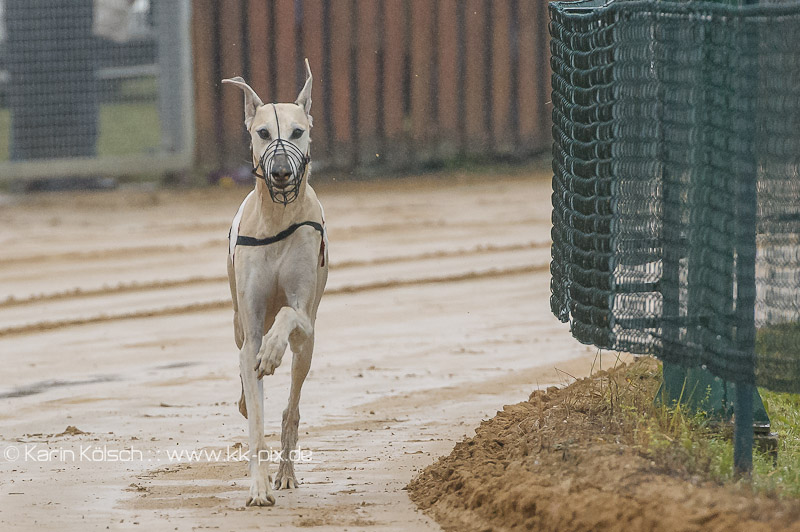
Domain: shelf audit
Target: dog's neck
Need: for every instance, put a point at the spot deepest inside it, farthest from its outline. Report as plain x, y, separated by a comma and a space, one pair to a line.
278, 215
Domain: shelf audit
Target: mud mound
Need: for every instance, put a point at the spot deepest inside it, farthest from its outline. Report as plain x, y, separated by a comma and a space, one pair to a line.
555, 463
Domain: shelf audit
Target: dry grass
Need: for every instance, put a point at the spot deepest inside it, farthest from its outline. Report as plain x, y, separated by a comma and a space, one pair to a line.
690, 444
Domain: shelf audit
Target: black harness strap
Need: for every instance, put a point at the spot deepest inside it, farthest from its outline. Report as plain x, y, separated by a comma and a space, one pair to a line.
250, 241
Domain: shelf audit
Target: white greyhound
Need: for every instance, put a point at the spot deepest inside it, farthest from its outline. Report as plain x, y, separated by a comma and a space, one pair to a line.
277, 269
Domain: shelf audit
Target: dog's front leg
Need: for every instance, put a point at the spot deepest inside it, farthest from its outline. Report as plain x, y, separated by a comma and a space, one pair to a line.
301, 362
260, 487
293, 327
289, 324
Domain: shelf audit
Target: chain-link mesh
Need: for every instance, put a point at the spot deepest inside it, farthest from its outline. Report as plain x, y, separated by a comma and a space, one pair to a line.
677, 182
91, 79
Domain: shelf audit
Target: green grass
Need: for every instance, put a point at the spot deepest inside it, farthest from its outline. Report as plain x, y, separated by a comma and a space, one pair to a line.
146, 87
707, 449
776, 350
784, 415
689, 444
775, 340
128, 128
125, 129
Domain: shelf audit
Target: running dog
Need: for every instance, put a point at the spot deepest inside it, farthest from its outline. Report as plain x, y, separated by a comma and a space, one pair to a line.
277, 269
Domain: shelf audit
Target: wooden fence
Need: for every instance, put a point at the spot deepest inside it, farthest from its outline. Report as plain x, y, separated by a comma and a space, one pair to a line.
397, 83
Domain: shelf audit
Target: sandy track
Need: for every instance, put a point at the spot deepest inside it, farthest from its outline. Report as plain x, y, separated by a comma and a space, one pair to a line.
436, 315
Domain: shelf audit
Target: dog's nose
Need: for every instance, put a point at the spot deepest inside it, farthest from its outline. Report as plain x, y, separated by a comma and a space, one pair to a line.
281, 171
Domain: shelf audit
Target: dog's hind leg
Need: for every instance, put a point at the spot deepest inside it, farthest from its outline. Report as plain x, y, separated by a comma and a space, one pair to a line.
301, 362
238, 331
237, 327
242, 402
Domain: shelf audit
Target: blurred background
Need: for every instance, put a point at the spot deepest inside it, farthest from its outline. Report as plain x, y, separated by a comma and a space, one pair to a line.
115, 310
95, 88
112, 88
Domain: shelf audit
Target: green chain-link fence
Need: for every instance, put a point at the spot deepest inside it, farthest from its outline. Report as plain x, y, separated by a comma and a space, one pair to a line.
676, 194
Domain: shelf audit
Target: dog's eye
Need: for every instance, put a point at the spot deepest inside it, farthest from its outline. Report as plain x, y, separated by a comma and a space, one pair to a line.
297, 133
264, 134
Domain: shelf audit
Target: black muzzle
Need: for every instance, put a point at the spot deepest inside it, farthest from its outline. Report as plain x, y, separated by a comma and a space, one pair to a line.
283, 166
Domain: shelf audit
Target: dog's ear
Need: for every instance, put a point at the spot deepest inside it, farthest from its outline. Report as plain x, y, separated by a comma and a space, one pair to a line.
304, 98
251, 100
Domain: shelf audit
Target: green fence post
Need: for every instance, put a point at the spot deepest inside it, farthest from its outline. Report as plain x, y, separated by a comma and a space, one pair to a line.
743, 430
746, 205
698, 390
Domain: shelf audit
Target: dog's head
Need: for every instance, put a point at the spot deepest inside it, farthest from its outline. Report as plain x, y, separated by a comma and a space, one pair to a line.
280, 139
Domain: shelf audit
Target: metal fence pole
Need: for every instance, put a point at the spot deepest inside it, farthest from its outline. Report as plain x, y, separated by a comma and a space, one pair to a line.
743, 430
747, 205
174, 92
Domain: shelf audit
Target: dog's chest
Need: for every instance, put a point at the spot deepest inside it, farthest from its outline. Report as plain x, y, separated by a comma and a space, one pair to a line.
233, 234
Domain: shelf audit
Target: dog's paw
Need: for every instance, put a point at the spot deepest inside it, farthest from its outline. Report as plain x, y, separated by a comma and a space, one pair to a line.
270, 355
260, 493
261, 500
286, 483
285, 479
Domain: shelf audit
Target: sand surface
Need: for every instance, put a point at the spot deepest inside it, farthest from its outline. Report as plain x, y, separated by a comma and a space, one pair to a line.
115, 319
567, 459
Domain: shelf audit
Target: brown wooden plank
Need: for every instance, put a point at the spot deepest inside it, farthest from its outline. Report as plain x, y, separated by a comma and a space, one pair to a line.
205, 96
501, 77
475, 95
393, 65
544, 74
285, 61
367, 66
421, 121
340, 58
528, 88
230, 51
257, 25
447, 89
312, 49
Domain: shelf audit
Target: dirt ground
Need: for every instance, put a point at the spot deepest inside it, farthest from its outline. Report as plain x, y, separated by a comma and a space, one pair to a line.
118, 360
558, 462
